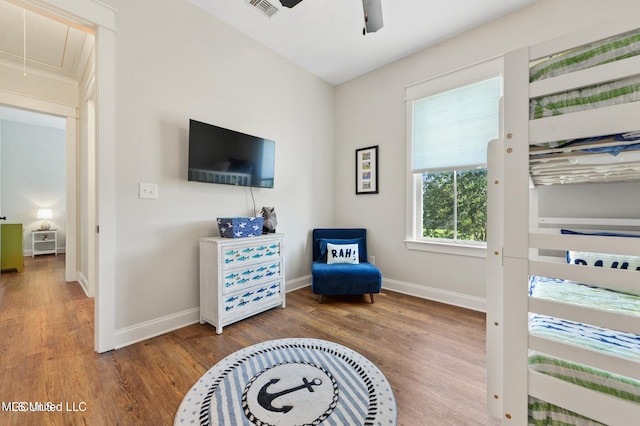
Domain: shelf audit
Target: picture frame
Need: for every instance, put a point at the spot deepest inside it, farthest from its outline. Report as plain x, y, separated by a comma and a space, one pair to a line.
367, 170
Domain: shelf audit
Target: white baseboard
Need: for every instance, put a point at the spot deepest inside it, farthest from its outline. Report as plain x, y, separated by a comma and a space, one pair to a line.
436, 294
147, 330
297, 283
84, 283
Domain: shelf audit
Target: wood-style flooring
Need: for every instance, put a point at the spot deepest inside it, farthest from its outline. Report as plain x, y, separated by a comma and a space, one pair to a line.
432, 354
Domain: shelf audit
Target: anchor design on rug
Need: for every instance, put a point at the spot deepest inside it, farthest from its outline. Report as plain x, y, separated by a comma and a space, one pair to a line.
265, 399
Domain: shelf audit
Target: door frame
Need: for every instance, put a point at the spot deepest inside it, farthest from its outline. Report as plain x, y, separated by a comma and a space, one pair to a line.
102, 19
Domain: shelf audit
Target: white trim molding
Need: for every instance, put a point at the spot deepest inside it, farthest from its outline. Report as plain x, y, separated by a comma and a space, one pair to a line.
297, 283
459, 249
84, 283
148, 329
437, 295
153, 328
416, 290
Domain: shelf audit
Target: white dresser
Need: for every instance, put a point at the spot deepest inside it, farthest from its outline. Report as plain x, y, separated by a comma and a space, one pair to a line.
240, 277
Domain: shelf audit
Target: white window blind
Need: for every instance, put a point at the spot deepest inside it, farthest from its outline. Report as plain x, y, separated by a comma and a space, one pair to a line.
451, 129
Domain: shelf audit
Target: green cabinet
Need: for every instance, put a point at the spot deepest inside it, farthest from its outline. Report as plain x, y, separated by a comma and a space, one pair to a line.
12, 247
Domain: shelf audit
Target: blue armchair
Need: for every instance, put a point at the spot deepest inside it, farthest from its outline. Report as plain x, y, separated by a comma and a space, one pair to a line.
358, 277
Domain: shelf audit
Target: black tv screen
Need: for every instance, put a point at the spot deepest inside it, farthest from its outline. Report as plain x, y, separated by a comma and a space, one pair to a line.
219, 155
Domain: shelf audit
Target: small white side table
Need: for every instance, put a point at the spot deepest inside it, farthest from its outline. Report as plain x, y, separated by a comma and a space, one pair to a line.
44, 242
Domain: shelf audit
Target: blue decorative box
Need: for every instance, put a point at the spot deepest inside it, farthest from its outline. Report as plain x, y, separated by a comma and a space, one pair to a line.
240, 227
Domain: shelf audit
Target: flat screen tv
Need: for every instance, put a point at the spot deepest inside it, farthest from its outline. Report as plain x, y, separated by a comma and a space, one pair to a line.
219, 155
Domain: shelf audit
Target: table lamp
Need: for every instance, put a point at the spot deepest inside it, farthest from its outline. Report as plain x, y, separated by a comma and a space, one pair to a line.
45, 214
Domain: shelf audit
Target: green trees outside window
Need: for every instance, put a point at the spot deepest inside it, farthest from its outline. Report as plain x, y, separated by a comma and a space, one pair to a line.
455, 205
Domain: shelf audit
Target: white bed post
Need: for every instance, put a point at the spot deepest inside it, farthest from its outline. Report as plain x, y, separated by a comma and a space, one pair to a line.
516, 237
495, 238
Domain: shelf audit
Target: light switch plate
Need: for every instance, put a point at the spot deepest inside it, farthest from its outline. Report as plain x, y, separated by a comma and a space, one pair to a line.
148, 190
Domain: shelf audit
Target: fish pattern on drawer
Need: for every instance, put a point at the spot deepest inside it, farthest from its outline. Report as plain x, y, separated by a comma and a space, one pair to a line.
252, 297
236, 279
255, 253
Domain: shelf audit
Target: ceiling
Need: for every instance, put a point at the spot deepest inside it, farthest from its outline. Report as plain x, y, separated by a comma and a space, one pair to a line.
325, 36
53, 47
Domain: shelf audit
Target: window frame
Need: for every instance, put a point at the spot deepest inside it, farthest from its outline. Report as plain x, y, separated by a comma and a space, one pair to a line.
439, 84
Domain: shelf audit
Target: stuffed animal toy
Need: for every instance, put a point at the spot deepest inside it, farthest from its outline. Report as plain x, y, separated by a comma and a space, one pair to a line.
270, 220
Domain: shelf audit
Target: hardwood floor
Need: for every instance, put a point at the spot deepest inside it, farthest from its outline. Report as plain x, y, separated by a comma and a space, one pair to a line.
432, 354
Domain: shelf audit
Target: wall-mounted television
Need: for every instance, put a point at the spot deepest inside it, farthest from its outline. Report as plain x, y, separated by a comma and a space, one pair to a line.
224, 156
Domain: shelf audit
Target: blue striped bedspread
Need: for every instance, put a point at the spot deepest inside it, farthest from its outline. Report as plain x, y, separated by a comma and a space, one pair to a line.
618, 343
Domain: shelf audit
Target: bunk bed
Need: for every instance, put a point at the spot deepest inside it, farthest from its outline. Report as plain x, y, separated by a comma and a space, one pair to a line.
563, 294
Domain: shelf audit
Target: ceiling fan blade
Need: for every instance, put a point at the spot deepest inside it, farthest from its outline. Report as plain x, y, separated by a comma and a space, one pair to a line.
289, 3
372, 15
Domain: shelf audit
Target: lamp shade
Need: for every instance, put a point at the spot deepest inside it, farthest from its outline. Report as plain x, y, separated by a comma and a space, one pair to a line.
45, 213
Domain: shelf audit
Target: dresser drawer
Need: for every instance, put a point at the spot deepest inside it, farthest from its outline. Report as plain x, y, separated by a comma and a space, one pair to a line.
240, 277
246, 300
251, 253
249, 276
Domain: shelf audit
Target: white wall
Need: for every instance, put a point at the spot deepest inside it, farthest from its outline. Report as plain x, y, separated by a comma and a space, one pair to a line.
33, 176
174, 63
370, 110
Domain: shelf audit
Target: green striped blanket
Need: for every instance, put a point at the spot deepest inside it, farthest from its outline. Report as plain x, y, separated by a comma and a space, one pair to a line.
619, 47
592, 97
610, 50
543, 413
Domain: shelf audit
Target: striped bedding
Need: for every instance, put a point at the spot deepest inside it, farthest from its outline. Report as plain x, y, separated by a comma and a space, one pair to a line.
613, 93
592, 97
585, 295
543, 413
621, 344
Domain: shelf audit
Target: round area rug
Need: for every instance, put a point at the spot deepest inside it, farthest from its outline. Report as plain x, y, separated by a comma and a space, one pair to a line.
290, 382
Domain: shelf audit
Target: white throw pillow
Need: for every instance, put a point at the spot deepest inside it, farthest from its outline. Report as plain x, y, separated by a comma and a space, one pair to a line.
342, 253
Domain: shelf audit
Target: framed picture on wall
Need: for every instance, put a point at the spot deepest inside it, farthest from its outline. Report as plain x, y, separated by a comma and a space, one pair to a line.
367, 170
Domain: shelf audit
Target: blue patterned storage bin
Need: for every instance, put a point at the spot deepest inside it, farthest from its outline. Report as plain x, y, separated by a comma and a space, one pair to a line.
240, 227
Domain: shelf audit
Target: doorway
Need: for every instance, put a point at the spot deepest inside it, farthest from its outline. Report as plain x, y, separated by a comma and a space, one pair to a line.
99, 18
33, 181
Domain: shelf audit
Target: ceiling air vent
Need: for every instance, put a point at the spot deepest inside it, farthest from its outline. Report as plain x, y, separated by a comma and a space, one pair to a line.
264, 6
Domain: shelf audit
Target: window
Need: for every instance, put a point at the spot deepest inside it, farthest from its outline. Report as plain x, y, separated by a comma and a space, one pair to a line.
454, 205
450, 122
